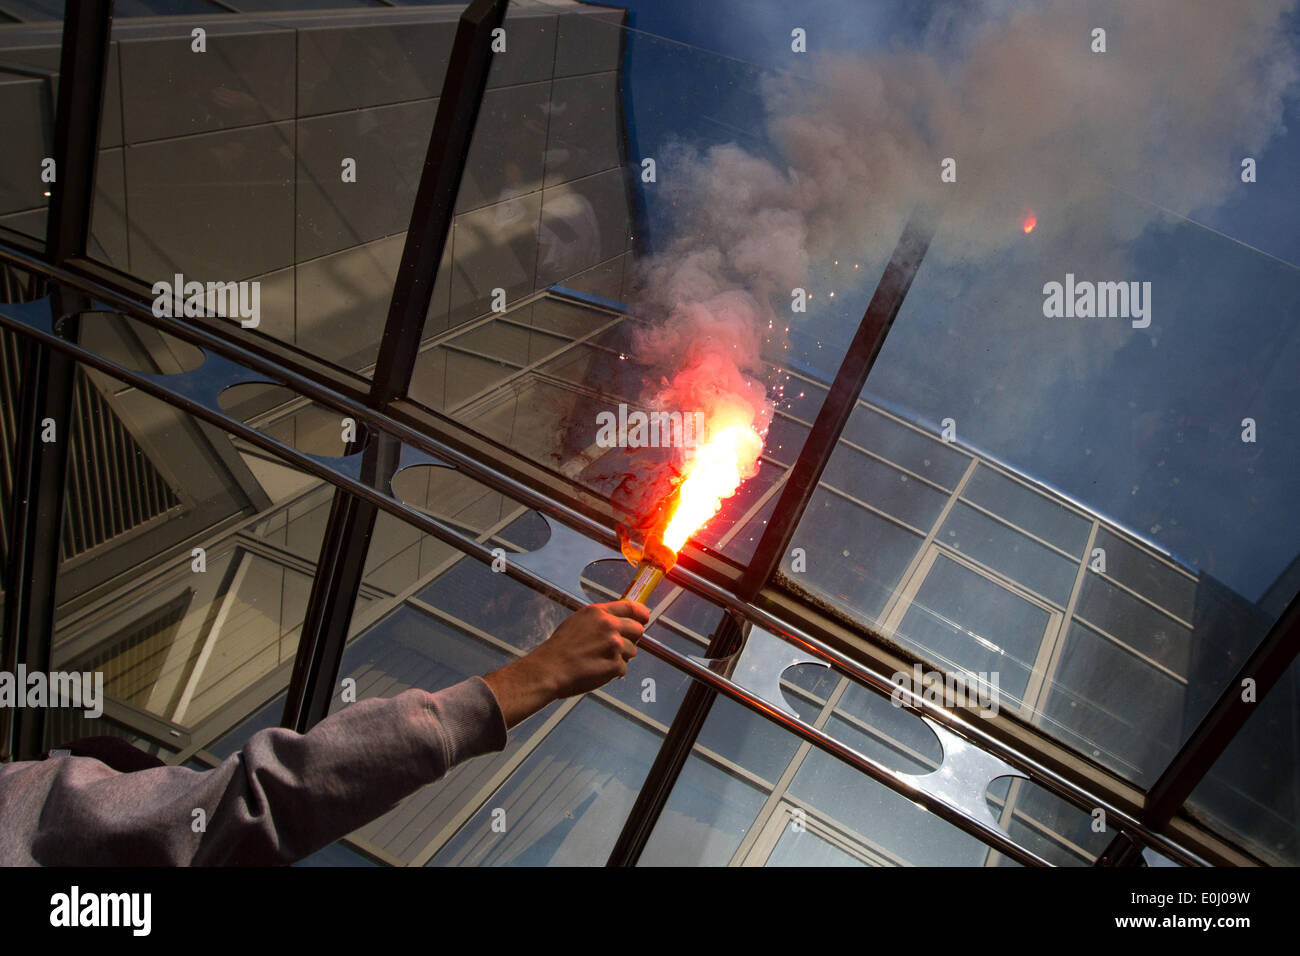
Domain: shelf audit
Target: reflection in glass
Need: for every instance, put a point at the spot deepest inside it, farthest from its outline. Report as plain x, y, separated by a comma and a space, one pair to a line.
975, 625
891, 826
187, 556
1037, 819
1252, 790
565, 804
29, 71
802, 847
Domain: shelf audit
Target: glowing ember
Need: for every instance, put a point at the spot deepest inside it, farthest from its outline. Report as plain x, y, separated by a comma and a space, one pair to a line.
1030, 221
713, 475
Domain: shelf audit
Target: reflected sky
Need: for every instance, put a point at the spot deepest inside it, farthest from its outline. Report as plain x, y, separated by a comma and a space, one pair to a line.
1144, 425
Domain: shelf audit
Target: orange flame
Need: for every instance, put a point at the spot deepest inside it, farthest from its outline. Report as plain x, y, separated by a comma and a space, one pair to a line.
1030, 221
713, 475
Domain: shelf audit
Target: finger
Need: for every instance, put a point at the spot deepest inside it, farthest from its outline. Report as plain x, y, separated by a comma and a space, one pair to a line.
628, 650
629, 609
629, 629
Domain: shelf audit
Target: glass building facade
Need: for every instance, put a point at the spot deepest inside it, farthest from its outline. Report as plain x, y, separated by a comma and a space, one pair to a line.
254, 519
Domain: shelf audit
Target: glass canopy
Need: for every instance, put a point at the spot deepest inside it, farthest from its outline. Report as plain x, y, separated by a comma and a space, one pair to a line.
1012, 314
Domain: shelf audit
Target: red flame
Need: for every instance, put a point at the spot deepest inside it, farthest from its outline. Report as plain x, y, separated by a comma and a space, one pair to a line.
1029, 222
713, 474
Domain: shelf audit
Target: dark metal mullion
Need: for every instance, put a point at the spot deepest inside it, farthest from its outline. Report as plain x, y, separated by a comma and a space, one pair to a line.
77, 528
674, 751
1217, 728
48, 392
352, 520
333, 598
839, 404
435, 198
83, 62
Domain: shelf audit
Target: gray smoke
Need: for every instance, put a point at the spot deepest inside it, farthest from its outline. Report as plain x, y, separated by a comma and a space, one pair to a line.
1034, 119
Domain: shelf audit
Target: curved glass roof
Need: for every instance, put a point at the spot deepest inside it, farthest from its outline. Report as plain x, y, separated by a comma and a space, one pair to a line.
1013, 302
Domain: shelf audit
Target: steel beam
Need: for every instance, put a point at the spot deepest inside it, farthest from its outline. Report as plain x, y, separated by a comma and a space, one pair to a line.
807, 470
435, 198
352, 520
838, 404
47, 402
334, 590
674, 750
1217, 729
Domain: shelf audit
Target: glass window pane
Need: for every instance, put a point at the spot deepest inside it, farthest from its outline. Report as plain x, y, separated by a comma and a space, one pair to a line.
1142, 425
1113, 706
893, 735
1028, 509
1152, 634
747, 739
803, 847
893, 491
887, 823
31, 41
565, 804
1165, 585
910, 446
855, 558
1020, 558
705, 818
197, 550
972, 624
1252, 791
1037, 819
290, 153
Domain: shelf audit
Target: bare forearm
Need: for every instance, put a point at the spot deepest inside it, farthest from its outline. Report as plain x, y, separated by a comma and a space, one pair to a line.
521, 690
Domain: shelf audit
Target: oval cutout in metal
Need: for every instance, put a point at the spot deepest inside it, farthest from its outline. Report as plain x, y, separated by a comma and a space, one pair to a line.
288, 417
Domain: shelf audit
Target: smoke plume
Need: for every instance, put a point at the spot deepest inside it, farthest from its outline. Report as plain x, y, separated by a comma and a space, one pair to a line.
1033, 117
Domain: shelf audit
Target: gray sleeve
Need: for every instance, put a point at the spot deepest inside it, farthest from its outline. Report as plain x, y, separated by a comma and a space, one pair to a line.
284, 796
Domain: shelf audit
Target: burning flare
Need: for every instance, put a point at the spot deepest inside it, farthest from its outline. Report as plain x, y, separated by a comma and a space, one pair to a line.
728, 457
714, 474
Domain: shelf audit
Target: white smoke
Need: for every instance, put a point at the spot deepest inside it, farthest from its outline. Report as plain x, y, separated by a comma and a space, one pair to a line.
1034, 118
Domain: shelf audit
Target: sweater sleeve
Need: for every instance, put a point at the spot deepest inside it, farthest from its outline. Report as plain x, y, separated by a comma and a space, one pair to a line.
284, 796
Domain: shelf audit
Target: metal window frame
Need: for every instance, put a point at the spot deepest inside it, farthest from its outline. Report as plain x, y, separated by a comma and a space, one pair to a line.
469, 453
84, 55
1217, 729
48, 387
352, 520
841, 399
800, 482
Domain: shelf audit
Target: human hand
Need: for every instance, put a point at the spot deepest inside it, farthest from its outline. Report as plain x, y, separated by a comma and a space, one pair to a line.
590, 648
